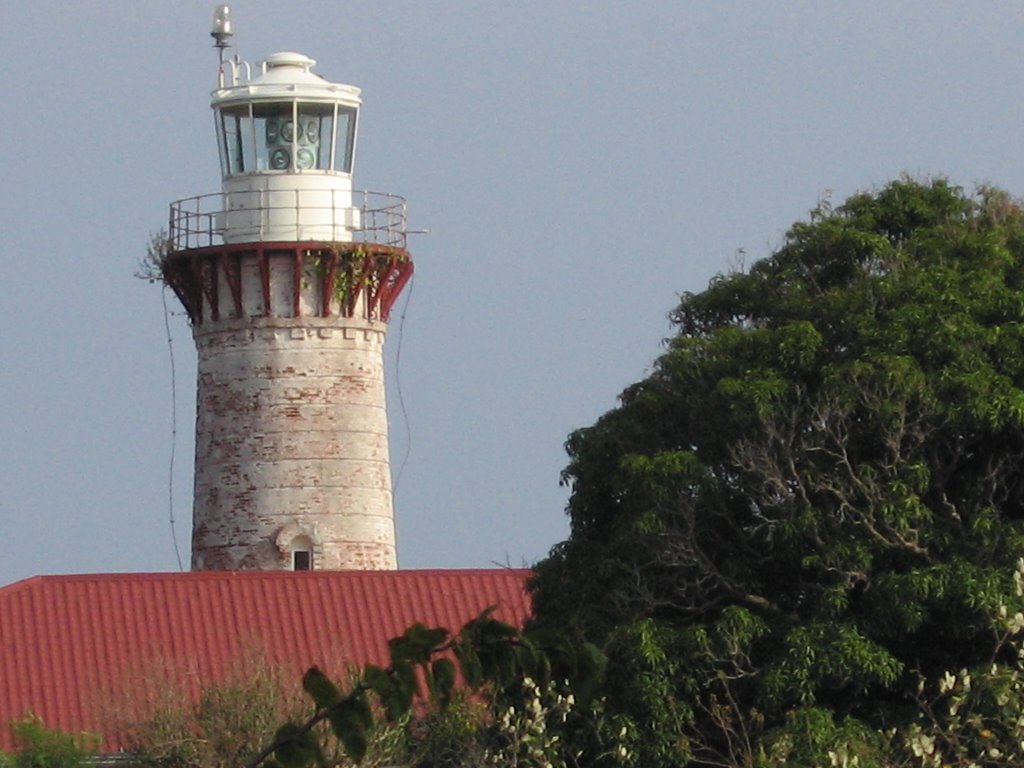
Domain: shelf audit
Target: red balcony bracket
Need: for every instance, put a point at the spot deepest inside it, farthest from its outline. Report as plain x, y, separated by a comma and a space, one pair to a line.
390, 293
231, 263
297, 278
329, 273
264, 261
207, 274
374, 272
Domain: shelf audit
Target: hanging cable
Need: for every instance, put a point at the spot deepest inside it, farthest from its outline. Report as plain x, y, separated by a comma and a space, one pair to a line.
398, 385
174, 428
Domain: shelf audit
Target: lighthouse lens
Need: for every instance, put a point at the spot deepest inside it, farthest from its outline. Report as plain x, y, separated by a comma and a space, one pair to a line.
280, 159
315, 130
312, 131
274, 128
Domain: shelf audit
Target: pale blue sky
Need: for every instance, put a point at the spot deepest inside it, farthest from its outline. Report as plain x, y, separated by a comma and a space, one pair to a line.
578, 165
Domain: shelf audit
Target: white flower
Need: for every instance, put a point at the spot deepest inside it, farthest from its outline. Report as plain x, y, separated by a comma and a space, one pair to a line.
922, 745
946, 683
1015, 624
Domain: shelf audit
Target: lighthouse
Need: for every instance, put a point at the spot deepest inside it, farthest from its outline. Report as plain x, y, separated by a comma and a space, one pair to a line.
288, 275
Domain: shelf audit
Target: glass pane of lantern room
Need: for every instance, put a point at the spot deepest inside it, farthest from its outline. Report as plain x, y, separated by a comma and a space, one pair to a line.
234, 123
315, 127
221, 144
274, 128
248, 150
345, 140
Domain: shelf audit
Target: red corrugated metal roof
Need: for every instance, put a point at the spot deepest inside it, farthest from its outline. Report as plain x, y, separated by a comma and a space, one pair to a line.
72, 646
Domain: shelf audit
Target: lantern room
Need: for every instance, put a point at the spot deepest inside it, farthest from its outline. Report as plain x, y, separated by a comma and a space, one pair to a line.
286, 120
286, 139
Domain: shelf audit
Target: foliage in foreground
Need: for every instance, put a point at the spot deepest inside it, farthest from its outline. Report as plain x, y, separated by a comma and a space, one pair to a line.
37, 746
230, 722
221, 728
815, 500
540, 672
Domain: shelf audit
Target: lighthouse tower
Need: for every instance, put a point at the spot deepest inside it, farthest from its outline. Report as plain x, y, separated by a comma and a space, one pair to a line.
288, 276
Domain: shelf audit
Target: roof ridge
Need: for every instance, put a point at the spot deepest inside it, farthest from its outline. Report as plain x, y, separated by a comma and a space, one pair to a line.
254, 575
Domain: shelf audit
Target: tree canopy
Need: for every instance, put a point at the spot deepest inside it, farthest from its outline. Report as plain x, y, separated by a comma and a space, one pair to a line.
814, 503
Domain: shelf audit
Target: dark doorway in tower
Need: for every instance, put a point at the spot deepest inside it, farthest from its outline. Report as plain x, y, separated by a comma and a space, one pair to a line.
302, 560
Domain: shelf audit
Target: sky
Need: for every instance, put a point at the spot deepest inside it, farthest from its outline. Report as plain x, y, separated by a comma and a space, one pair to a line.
578, 165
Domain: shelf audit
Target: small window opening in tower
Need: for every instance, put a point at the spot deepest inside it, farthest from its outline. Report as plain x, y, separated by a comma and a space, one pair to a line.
302, 560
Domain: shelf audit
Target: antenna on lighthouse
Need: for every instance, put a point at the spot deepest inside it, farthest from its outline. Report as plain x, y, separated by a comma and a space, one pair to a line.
222, 30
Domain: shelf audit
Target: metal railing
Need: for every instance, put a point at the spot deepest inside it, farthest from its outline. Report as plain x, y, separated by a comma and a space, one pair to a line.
201, 221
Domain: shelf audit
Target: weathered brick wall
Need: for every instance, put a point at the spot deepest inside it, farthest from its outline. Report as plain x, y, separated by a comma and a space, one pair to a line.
291, 435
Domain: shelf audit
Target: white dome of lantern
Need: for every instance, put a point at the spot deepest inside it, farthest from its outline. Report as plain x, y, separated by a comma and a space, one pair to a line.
286, 140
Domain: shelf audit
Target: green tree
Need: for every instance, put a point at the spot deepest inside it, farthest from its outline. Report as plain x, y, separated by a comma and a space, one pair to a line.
815, 502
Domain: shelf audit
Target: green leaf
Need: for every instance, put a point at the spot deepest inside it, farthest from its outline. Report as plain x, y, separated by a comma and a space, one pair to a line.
397, 705
394, 690
443, 670
416, 644
348, 722
376, 679
295, 748
321, 689
469, 663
